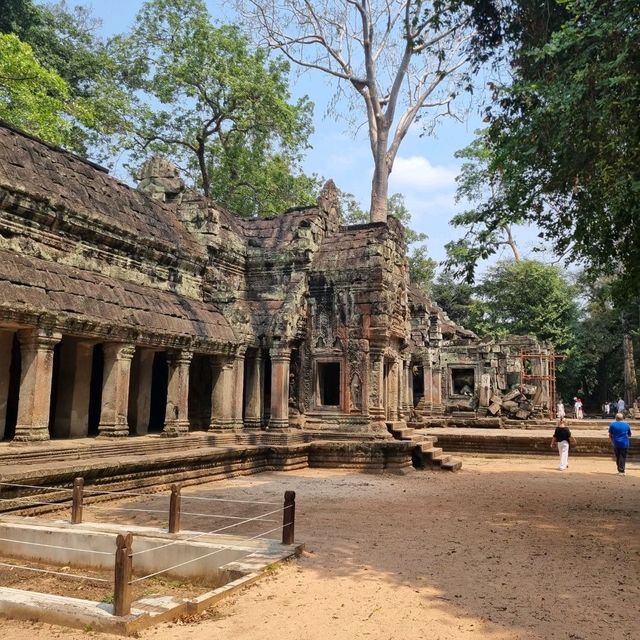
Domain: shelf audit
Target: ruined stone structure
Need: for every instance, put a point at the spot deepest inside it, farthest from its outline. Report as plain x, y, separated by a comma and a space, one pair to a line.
127, 311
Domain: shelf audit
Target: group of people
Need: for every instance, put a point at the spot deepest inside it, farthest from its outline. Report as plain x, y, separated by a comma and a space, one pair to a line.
578, 411
619, 434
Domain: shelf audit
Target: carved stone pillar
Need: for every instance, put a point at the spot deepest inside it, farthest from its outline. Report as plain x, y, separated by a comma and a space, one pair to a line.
280, 357
115, 389
394, 391
238, 391
36, 349
223, 376
427, 372
376, 388
176, 420
6, 346
407, 386
253, 400
436, 389
140, 393
74, 389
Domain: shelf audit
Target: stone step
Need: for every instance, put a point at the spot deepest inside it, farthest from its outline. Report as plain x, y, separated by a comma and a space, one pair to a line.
453, 464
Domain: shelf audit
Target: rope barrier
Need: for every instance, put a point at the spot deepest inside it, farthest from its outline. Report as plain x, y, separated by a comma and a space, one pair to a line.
206, 533
53, 546
207, 555
56, 573
209, 515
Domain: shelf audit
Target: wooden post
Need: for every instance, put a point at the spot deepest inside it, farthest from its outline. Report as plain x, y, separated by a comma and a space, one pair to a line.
122, 576
76, 507
174, 509
289, 517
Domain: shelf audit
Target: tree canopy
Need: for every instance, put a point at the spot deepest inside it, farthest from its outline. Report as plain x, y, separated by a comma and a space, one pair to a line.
564, 131
217, 107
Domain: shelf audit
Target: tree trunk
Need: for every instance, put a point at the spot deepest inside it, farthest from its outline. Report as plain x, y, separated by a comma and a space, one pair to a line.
512, 243
380, 182
630, 385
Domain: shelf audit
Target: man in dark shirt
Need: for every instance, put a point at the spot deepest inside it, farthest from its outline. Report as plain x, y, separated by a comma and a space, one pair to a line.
619, 434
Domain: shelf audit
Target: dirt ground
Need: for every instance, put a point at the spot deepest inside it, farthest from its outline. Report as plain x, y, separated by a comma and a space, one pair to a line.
504, 549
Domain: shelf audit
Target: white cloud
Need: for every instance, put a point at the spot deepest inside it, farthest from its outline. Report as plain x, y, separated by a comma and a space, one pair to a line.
416, 172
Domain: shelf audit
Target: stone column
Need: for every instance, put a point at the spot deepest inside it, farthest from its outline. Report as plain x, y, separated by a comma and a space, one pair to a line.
140, 393
407, 384
253, 401
280, 357
36, 349
394, 391
222, 371
74, 389
115, 389
238, 392
436, 390
376, 389
428, 383
176, 420
6, 347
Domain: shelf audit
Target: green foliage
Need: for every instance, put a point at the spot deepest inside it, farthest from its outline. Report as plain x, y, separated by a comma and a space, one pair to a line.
480, 180
565, 131
63, 42
216, 107
32, 97
528, 298
457, 299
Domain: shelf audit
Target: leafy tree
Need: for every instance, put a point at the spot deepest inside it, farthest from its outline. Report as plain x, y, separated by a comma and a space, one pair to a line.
457, 299
64, 42
480, 179
564, 132
400, 61
528, 298
421, 266
216, 107
31, 97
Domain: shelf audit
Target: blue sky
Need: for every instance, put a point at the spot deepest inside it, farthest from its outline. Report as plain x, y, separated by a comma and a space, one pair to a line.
424, 171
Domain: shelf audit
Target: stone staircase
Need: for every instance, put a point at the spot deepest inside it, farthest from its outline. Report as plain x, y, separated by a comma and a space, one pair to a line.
425, 453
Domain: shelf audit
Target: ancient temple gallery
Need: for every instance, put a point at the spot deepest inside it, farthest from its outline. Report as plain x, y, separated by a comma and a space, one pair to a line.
125, 311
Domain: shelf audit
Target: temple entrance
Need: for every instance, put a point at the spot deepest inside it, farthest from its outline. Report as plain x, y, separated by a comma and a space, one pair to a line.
200, 389
11, 417
159, 380
328, 384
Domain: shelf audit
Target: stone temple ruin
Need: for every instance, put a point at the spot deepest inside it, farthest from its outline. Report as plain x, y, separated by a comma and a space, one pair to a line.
127, 311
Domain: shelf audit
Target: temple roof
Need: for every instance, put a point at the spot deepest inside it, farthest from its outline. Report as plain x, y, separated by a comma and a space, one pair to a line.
67, 182
32, 285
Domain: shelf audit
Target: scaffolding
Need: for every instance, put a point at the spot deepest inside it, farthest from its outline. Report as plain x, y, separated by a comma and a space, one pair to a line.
539, 368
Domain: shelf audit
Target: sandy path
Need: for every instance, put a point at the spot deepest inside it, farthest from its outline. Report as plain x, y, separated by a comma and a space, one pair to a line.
504, 549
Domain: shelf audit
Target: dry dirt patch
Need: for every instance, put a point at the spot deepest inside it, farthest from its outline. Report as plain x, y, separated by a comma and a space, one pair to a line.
505, 549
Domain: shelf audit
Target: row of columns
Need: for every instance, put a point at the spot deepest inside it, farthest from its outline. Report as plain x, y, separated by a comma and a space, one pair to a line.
118, 387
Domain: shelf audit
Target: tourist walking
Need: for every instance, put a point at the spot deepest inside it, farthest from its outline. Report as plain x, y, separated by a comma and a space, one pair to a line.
577, 408
561, 439
620, 406
606, 409
619, 434
560, 410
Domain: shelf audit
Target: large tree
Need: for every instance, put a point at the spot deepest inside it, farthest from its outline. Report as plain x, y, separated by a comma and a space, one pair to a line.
564, 130
217, 107
64, 42
479, 180
402, 61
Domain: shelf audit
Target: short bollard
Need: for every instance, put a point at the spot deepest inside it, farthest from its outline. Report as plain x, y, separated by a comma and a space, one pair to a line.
289, 517
122, 576
76, 506
174, 509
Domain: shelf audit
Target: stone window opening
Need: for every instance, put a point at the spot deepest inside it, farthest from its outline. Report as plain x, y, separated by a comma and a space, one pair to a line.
418, 384
463, 382
329, 384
